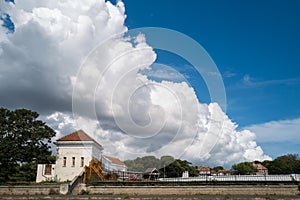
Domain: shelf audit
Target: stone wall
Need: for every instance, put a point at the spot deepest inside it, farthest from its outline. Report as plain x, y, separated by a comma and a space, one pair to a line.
196, 190
29, 190
156, 190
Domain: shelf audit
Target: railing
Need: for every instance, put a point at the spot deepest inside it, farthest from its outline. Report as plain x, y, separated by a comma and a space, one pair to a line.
76, 180
238, 178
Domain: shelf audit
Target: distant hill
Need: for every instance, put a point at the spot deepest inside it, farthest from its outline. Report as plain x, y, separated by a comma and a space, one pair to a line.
167, 166
141, 164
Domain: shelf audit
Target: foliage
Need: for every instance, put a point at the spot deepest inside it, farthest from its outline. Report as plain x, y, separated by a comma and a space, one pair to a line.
217, 168
167, 164
84, 192
287, 164
141, 164
244, 168
176, 168
24, 142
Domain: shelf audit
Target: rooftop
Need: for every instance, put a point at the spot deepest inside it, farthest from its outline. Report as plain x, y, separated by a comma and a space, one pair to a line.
259, 166
79, 135
114, 160
203, 168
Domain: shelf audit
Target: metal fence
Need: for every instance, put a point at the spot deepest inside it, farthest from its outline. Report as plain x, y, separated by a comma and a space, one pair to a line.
238, 178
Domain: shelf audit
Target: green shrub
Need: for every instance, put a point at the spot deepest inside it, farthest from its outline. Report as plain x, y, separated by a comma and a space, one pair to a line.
53, 191
84, 192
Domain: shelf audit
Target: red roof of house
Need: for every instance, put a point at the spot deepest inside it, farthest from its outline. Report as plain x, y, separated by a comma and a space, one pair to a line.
114, 160
259, 166
203, 168
79, 135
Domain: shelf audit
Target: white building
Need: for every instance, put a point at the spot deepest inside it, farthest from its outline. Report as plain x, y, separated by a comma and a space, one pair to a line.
74, 151
112, 164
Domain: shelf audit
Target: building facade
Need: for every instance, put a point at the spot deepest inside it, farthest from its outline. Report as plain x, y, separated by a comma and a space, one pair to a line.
204, 170
74, 151
260, 169
110, 164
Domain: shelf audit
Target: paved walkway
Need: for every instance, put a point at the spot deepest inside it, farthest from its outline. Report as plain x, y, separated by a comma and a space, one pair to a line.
145, 197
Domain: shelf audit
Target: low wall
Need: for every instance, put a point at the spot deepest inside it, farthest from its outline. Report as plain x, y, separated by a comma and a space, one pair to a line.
29, 190
157, 190
195, 190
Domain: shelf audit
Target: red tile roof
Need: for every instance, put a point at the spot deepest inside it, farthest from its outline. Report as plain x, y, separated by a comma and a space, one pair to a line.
259, 166
203, 168
114, 160
79, 135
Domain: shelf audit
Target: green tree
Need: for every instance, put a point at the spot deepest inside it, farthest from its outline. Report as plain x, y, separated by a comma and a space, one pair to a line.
287, 164
165, 161
167, 164
24, 142
176, 168
244, 168
217, 168
141, 164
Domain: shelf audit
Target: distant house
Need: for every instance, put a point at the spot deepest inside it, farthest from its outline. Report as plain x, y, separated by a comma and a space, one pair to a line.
224, 172
260, 169
213, 173
151, 174
204, 170
112, 164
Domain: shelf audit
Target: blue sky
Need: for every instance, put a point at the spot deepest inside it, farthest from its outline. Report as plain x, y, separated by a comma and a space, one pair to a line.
255, 45
258, 40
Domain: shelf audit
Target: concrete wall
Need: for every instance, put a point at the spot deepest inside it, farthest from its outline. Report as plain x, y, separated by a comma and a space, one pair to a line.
196, 190
29, 190
156, 190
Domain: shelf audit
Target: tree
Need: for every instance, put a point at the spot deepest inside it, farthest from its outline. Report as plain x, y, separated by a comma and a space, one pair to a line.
217, 168
24, 142
166, 164
165, 161
176, 168
243, 168
287, 164
141, 164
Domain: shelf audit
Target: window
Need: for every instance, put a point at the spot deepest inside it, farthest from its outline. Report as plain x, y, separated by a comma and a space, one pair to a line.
65, 162
73, 161
48, 169
82, 162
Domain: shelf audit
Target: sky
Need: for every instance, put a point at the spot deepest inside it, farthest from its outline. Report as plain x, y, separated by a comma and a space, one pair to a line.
255, 45
80, 65
254, 42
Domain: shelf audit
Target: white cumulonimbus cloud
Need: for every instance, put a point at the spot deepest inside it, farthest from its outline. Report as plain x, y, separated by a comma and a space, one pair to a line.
64, 45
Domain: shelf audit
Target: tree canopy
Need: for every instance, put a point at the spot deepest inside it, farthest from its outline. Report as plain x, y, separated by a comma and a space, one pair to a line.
176, 168
287, 164
243, 168
141, 164
167, 165
217, 168
24, 142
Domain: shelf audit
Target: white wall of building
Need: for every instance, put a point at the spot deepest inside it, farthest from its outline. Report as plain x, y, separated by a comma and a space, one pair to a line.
109, 166
69, 158
43, 176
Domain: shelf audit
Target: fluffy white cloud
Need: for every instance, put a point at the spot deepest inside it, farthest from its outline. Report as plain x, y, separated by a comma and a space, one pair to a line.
64, 45
50, 41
